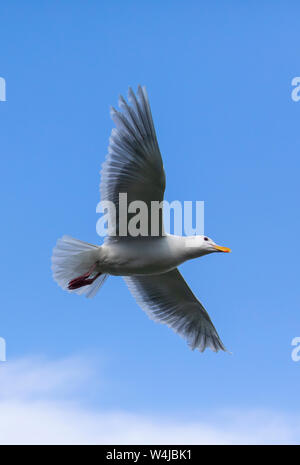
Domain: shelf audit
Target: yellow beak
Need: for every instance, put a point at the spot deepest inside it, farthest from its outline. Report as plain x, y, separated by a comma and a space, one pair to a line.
222, 249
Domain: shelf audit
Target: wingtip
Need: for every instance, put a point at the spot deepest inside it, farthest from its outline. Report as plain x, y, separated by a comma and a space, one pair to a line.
139, 90
112, 111
121, 101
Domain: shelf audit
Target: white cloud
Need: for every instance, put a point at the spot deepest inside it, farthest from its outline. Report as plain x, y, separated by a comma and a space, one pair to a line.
33, 410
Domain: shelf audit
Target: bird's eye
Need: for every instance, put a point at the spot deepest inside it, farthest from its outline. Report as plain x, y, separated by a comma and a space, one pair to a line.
206, 238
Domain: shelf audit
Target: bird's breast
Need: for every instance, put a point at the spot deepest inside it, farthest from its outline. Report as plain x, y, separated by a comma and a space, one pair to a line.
138, 256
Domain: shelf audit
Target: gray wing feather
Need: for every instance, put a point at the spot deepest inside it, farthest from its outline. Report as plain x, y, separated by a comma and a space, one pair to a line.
133, 164
168, 299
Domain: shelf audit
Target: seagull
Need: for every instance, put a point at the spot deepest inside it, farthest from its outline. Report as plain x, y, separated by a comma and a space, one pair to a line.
148, 264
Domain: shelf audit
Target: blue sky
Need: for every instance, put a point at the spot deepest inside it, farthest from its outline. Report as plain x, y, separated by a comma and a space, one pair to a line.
219, 77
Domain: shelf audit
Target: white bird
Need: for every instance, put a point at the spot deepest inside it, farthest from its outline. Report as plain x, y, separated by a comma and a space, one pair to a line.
148, 264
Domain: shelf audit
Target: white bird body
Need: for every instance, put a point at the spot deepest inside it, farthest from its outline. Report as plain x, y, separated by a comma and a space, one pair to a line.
149, 255
148, 264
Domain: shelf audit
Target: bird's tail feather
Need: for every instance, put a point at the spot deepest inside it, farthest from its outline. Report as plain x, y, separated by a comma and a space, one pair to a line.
71, 259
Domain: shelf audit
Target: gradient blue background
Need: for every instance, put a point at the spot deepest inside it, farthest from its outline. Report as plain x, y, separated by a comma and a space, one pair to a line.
219, 79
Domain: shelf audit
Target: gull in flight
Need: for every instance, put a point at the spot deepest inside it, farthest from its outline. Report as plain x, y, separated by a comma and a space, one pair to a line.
148, 264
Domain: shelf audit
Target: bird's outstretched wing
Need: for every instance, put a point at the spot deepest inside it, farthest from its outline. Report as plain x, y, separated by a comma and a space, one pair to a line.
168, 299
133, 165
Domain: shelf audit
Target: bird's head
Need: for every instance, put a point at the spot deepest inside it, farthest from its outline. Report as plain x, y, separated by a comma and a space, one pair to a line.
204, 245
211, 246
